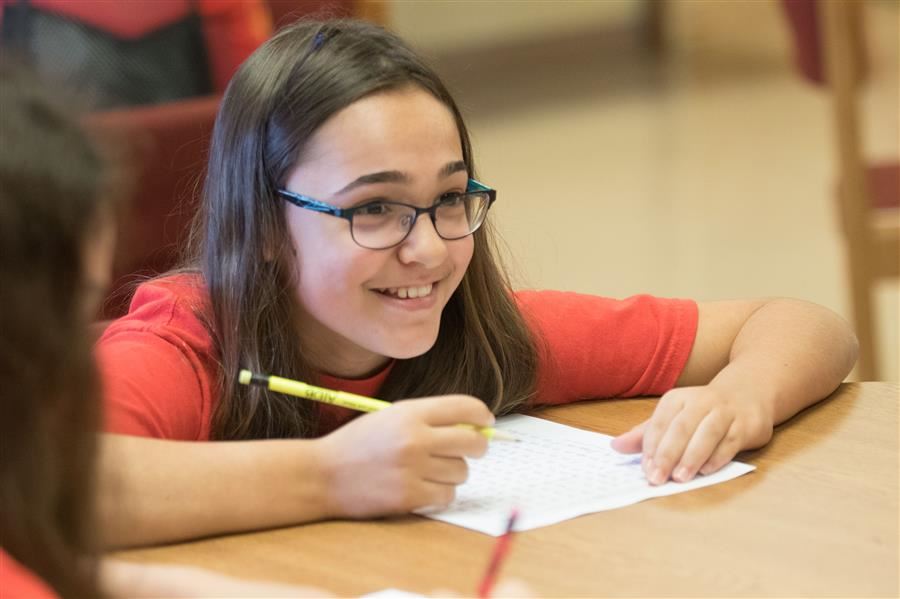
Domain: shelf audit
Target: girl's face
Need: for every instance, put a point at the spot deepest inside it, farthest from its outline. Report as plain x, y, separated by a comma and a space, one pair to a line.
356, 307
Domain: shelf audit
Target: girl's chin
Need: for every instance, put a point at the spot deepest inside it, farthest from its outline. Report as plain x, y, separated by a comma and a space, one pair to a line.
405, 350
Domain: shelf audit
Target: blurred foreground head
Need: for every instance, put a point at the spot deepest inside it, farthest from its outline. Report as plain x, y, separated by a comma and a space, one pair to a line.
56, 238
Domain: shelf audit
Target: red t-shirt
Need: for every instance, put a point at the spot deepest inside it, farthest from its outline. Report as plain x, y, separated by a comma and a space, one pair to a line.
159, 366
17, 582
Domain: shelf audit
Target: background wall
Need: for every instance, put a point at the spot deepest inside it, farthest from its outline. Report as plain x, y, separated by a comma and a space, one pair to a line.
454, 25
704, 170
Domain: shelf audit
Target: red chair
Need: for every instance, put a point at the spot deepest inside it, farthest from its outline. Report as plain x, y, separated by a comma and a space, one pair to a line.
167, 145
165, 148
829, 42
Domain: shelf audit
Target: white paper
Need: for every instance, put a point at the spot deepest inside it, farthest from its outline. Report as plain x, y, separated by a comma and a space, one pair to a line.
555, 472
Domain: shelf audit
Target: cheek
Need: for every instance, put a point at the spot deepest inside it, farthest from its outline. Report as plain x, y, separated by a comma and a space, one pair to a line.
314, 252
332, 293
333, 273
328, 265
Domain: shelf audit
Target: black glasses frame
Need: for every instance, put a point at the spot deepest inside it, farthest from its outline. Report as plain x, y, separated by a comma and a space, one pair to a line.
308, 203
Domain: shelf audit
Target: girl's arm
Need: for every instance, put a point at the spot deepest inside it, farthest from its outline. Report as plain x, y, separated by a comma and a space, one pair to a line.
408, 456
156, 491
135, 581
754, 364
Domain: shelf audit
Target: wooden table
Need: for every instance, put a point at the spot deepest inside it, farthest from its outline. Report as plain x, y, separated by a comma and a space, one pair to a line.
819, 517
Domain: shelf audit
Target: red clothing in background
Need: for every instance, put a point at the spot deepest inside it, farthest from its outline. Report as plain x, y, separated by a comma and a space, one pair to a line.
232, 29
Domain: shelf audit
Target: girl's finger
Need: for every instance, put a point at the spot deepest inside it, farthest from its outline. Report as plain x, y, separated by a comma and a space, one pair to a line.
456, 441
445, 410
724, 451
666, 410
447, 471
672, 445
632, 441
701, 446
434, 496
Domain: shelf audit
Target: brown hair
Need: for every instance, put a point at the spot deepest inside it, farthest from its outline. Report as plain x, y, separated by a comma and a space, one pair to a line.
50, 179
277, 100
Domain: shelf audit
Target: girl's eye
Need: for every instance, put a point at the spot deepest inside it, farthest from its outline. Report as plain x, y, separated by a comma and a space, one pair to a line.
374, 209
451, 199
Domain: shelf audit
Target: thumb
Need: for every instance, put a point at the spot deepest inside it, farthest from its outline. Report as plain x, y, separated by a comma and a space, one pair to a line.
632, 441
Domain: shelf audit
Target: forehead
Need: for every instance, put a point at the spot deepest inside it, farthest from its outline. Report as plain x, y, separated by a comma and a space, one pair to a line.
406, 130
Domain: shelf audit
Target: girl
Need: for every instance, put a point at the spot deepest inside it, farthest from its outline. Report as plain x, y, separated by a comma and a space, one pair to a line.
344, 240
56, 244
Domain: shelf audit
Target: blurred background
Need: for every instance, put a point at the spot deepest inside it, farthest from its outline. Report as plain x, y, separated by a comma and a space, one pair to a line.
671, 147
676, 152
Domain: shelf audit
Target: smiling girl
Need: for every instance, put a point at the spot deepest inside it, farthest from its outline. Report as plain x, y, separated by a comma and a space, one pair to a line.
345, 240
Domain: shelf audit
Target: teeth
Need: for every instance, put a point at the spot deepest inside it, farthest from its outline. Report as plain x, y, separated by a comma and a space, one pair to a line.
408, 292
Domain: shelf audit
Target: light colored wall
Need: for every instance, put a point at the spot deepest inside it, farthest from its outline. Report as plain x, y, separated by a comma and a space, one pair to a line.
440, 26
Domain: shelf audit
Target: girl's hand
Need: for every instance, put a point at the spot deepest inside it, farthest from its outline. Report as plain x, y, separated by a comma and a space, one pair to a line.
696, 429
406, 457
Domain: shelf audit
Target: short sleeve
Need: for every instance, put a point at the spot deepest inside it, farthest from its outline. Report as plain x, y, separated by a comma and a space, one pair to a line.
17, 582
156, 370
596, 347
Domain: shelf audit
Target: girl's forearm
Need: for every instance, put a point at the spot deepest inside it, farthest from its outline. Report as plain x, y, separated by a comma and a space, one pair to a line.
157, 491
790, 354
137, 581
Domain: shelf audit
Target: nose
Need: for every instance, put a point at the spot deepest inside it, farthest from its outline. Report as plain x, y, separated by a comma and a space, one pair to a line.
423, 245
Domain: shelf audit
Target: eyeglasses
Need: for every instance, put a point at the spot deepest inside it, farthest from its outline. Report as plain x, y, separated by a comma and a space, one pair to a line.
380, 225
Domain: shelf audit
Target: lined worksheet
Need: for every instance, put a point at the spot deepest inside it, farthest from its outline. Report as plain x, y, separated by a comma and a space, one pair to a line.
555, 472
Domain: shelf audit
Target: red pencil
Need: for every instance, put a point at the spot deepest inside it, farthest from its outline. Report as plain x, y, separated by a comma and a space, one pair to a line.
500, 551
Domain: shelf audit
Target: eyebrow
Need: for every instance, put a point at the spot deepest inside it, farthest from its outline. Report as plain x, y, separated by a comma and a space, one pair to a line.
452, 168
447, 170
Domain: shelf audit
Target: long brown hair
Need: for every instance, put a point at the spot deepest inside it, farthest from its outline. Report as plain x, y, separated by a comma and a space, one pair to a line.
277, 100
49, 201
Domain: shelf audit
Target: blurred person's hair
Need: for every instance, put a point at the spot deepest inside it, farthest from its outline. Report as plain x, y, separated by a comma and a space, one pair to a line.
52, 196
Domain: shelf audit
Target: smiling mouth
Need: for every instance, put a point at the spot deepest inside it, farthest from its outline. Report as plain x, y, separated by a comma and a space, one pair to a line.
407, 292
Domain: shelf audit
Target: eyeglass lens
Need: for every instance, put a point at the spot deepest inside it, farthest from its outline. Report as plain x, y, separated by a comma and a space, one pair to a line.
386, 224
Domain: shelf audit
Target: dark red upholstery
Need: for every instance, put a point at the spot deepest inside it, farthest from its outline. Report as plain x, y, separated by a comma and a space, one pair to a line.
884, 184
803, 20
166, 147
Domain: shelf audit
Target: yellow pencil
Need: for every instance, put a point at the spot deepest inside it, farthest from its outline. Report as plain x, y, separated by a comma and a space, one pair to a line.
344, 399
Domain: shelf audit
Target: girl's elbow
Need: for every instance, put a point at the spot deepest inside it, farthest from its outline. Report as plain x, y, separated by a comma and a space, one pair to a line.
845, 341
852, 350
